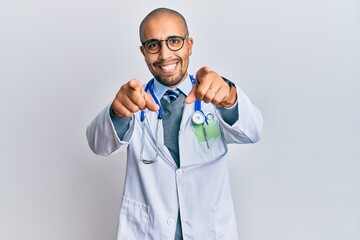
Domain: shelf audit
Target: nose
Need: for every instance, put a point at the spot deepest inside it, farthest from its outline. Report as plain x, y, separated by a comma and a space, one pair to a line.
164, 52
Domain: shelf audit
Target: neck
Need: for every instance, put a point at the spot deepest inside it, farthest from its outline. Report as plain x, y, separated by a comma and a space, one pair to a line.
185, 77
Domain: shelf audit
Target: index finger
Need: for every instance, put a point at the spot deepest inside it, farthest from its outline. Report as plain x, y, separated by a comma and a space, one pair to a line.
135, 84
201, 73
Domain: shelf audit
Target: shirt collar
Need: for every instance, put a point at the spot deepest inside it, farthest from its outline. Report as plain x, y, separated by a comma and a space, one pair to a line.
160, 89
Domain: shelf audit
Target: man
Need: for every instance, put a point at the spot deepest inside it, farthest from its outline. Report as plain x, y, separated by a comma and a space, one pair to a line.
176, 184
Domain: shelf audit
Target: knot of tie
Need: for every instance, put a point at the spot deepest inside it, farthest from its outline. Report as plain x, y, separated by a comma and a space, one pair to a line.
171, 94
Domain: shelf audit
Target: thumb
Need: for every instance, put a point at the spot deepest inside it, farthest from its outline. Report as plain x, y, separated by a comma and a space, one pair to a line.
150, 103
191, 97
201, 73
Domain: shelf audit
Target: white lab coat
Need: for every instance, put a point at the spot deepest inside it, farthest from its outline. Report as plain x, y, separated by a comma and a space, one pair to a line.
200, 188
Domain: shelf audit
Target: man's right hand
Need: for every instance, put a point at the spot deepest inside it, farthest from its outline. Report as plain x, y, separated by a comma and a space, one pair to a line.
131, 98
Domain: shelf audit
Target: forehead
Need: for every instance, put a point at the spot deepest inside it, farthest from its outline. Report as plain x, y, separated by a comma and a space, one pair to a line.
162, 26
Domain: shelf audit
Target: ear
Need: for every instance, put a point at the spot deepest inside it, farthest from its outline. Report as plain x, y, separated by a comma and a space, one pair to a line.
142, 50
190, 43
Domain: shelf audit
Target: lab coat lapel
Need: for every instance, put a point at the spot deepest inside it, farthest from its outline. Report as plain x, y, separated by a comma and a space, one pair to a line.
164, 150
184, 136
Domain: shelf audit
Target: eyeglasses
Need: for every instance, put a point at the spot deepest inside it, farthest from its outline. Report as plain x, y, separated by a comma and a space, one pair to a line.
174, 43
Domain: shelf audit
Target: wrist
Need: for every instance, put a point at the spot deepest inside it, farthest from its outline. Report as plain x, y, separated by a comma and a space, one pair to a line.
230, 100
113, 113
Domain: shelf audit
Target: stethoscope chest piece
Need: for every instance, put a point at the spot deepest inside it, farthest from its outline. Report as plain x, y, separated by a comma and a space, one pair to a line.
198, 118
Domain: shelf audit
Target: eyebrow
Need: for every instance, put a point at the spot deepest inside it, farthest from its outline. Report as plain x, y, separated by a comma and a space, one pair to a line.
155, 39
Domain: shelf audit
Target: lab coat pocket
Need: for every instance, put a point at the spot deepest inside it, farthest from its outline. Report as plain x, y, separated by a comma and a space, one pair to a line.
225, 221
133, 220
207, 140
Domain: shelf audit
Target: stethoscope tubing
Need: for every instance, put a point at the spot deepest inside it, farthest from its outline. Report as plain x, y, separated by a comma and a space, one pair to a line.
198, 111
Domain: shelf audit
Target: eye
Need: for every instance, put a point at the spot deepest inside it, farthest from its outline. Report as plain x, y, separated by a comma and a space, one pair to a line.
152, 45
174, 40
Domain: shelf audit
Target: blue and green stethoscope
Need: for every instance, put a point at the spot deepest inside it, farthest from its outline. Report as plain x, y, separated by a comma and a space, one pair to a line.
198, 118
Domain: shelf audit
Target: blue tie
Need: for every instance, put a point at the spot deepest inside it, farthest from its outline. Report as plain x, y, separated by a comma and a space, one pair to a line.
172, 94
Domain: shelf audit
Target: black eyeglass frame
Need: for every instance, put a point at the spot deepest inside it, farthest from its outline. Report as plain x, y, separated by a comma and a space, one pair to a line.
166, 41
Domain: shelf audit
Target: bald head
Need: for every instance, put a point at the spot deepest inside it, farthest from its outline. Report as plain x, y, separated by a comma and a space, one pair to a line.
161, 12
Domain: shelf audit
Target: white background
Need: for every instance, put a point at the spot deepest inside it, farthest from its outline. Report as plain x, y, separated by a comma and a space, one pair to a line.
62, 61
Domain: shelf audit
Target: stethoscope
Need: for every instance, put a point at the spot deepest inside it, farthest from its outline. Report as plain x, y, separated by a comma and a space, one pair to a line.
198, 118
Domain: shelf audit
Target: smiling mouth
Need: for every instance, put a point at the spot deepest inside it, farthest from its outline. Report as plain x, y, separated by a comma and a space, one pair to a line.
168, 68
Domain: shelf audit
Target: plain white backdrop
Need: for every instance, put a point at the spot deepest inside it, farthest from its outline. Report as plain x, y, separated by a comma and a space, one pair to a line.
62, 61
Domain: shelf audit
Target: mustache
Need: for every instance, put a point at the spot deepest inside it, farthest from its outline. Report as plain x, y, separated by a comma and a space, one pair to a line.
162, 62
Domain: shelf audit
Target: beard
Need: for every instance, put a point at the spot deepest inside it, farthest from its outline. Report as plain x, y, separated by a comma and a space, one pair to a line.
169, 80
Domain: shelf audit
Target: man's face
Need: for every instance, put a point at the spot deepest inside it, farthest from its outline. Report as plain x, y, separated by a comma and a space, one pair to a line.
167, 66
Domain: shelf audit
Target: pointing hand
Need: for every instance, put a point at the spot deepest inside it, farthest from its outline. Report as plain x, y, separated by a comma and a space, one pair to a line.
209, 87
132, 98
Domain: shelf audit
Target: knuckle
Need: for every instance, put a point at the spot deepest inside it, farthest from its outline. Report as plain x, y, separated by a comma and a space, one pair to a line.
216, 100
140, 103
207, 99
201, 91
127, 114
134, 109
123, 88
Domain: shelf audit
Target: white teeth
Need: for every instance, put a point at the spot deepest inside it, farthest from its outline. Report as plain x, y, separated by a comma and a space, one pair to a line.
168, 67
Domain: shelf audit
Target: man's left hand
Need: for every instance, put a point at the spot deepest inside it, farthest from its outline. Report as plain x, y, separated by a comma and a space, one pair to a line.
209, 87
